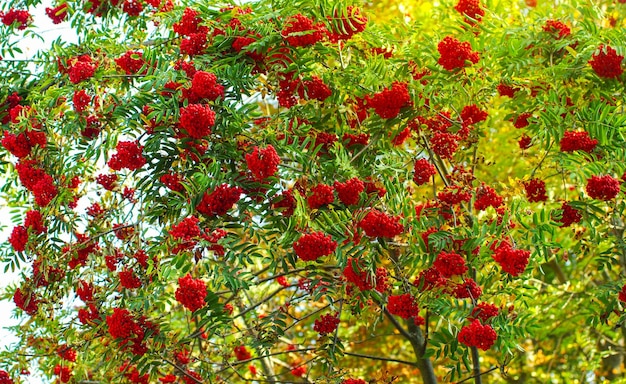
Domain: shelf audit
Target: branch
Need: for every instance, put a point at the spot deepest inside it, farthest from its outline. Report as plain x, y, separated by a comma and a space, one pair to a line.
398, 326
532, 174
413, 364
476, 365
240, 362
241, 314
478, 375
183, 371
332, 350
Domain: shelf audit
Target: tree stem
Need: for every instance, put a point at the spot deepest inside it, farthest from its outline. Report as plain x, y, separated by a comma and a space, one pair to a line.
476, 366
415, 336
419, 346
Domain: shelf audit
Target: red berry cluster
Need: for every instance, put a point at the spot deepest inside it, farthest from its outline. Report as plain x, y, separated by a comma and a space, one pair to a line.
311, 246
349, 192
128, 279
320, 196
512, 261
351, 139
355, 275
5, 378
325, 140
299, 371
19, 235
80, 100
263, 163
186, 230
191, 292
132, 374
454, 53
80, 68
423, 171
535, 190
92, 127
570, 215
194, 45
577, 141
404, 305
20, 145
524, 142
471, 114
486, 197
196, 120
218, 202
353, 381
196, 35
326, 324
429, 279
80, 250
470, 8
299, 31
557, 28
204, 85
37, 181
401, 137
288, 87
34, 221
108, 182
287, 201
450, 264
66, 353
379, 224
11, 102
374, 187
477, 335
189, 23
182, 357
64, 373
131, 332
26, 301
58, 13
84, 291
507, 90
129, 155
607, 63
602, 187
131, 62
521, 120
388, 102
21, 17
88, 315
454, 194
242, 353
241, 42
382, 280
444, 144
314, 89
282, 280
172, 181
484, 312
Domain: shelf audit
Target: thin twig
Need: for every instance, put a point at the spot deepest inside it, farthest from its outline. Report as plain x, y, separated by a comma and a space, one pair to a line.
480, 374
411, 363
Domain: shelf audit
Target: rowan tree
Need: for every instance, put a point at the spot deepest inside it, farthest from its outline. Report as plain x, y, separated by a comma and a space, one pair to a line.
316, 191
